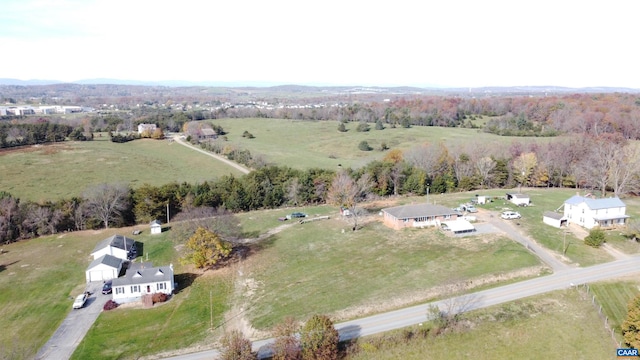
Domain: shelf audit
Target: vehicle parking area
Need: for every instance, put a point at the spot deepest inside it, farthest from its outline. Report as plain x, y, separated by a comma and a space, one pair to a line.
74, 327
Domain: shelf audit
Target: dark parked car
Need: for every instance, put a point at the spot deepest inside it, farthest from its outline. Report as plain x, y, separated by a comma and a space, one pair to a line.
106, 288
296, 215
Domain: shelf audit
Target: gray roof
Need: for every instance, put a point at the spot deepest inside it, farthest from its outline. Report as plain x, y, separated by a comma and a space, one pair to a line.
553, 215
595, 204
117, 241
518, 195
155, 222
108, 260
145, 275
418, 210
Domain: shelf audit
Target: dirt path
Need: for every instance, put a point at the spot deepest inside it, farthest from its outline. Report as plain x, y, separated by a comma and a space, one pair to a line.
237, 166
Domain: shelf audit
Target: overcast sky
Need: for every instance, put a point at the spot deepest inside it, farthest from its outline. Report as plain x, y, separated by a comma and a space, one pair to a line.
465, 43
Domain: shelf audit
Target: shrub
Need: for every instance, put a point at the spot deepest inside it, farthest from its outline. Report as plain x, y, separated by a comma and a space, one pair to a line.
362, 127
342, 128
110, 305
364, 146
595, 237
159, 297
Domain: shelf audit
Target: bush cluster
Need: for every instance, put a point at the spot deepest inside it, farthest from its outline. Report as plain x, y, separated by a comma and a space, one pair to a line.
159, 297
110, 305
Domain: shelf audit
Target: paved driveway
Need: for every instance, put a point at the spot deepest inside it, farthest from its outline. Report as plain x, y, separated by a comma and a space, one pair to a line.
74, 327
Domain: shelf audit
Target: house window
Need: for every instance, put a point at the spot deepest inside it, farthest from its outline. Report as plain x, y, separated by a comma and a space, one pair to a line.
135, 288
119, 290
161, 286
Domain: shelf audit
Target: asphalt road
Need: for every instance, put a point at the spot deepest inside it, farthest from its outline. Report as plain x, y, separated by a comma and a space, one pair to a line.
74, 327
417, 314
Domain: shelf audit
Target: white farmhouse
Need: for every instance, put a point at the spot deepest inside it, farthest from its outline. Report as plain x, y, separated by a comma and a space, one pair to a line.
141, 279
589, 213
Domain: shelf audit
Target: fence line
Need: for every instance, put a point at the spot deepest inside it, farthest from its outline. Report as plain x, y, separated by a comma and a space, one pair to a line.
604, 317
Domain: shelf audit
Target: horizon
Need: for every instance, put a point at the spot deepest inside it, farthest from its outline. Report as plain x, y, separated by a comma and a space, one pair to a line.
434, 45
265, 84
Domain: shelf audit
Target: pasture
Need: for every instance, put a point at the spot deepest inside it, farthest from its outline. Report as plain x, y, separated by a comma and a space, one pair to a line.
317, 268
559, 325
297, 270
307, 144
64, 170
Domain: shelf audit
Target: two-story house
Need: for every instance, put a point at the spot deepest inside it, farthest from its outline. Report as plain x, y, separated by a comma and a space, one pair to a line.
589, 213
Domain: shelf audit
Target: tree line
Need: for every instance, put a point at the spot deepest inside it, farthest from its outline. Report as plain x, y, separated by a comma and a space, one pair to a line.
608, 164
39, 132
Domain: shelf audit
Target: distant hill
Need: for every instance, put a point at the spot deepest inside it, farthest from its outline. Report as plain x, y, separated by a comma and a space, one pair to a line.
296, 88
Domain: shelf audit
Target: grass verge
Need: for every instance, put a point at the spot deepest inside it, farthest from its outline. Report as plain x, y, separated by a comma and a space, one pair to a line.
559, 325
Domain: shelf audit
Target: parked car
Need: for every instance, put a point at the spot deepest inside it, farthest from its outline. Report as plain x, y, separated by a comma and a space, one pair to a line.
78, 303
468, 208
509, 215
458, 211
106, 288
296, 215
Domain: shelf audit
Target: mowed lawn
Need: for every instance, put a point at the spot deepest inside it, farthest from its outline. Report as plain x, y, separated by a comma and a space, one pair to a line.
307, 144
559, 325
40, 277
316, 268
64, 170
544, 199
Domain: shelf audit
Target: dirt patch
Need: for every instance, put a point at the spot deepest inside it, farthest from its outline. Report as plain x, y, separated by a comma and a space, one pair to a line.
236, 319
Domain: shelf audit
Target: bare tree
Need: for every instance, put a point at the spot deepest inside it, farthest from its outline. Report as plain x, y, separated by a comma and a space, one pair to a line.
624, 171
286, 345
347, 192
236, 347
107, 201
293, 191
484, 166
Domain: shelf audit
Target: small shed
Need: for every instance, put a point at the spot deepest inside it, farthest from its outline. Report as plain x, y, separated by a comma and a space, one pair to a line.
156, 227
459, 226
518, 199
554, 219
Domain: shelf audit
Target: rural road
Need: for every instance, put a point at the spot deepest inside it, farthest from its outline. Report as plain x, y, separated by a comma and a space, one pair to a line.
417, 314
237, 166
75, 326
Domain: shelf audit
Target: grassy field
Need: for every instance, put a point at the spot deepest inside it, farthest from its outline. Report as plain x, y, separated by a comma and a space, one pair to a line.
614, 297
40, 277
306, 144
66, 169
301, 270
560, 325
552, 238
316, 268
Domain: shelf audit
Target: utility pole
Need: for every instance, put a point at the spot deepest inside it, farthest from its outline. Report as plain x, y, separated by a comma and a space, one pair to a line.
564, 241
167, 212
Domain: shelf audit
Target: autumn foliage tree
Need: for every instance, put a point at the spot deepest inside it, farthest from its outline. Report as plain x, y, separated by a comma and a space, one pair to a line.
236, 347
319, 339
206, 248
286, 345
631, 326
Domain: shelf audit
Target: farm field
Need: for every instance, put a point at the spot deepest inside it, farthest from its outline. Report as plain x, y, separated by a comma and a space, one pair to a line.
306, 144
301, 270
64, 170
614, 297
316, 268
559, 325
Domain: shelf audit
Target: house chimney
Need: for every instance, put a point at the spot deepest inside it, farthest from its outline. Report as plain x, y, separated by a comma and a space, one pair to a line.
171, 266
